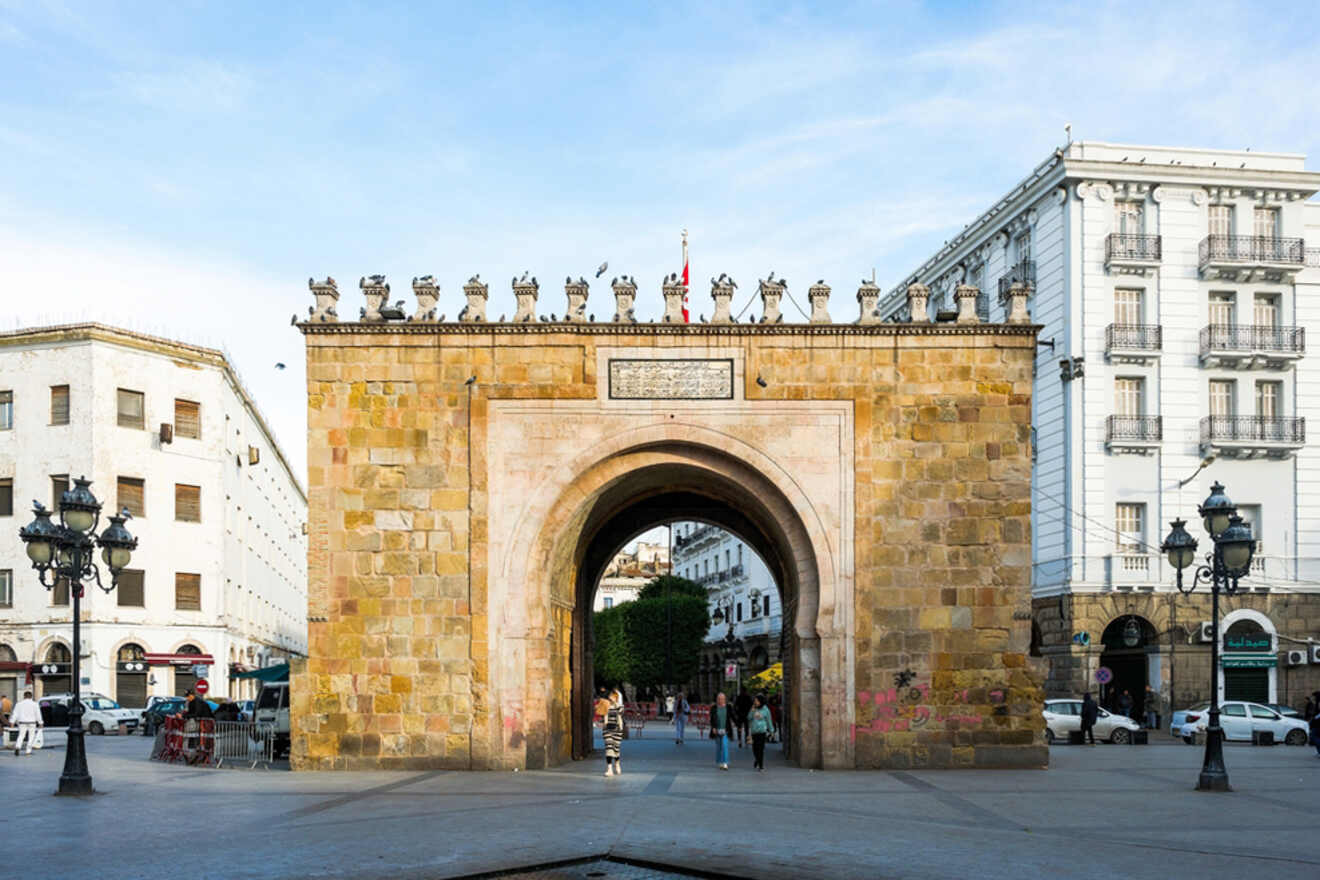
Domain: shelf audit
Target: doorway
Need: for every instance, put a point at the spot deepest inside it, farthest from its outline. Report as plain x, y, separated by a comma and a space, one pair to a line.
1129, 641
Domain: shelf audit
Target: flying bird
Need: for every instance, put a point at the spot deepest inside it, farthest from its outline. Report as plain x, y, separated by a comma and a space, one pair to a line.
279, 366
601, 269
294, 320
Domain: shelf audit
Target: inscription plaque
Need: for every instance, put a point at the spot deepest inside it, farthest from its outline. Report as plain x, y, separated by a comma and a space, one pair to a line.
686, 379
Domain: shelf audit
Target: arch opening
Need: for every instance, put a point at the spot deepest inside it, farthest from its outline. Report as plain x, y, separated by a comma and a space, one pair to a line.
1131, 651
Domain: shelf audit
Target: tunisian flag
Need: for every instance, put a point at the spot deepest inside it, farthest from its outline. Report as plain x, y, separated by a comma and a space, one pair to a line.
687, 316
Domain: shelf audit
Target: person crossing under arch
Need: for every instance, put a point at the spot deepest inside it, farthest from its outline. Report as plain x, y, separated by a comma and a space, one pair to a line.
613, 733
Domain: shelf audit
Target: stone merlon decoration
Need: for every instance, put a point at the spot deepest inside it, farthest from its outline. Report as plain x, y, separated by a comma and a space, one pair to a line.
576, 291
376, 292
525, 291
868, 298
476, 292
428, 294
918, 299
966, 296
721, 290
818, 295
672, 289
625, 296
1019, 292
327, 294
772, 293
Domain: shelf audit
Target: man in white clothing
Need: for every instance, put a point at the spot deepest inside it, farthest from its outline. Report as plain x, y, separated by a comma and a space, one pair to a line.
27, 717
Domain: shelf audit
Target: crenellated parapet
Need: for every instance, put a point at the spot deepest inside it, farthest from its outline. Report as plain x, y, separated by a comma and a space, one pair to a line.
672, 290
376, 292
476, 292
819, 297
525, 293
428, 296
625, 299
327, 295
721, 291
772, 294
868, 302
576, 292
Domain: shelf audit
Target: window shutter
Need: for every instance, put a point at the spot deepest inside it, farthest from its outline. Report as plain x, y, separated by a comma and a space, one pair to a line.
131, 496
187, 592
60, 595
130, 590
59, 404
59, 484
187, 503
131, 409
187, 419
6, 410
6, 497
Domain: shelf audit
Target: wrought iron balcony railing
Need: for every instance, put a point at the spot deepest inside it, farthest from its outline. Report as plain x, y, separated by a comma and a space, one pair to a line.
1252, 249
1252, 337
1023, 270
1134, 429
1134, 337
1121, 247
1253, 429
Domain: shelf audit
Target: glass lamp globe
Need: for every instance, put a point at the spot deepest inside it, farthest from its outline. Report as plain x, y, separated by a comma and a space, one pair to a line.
1217, 510
1236, 547
1179, 547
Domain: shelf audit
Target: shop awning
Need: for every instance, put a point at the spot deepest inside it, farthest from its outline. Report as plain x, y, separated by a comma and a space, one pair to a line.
279, 672
180, 659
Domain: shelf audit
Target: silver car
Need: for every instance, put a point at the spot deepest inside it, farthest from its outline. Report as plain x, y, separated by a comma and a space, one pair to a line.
1240, 719
1064, 716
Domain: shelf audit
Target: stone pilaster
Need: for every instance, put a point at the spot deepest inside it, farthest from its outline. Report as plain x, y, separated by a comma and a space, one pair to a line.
819, 297
721, 291
918, 297
327, 295
576, 291
1018, 294
868, 298
672, 290
965, 295
525, 292
376, 292
428, 294
477, 293
772, 293
625, 296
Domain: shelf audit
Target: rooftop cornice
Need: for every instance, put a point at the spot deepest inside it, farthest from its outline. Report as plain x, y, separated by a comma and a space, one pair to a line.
622, 329
1193, 175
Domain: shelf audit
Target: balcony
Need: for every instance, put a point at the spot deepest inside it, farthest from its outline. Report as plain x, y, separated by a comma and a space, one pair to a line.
1251, 257
1024, 271
1244, 346
1139, 434
1252, 436
1132, 254
1133, 343
1128, 570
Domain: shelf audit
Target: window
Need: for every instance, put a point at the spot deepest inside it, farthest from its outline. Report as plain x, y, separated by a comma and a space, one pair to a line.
187, 592
609, 601
6, 588
1129, 396
728, 555
1262, 712
6, 497
59, 595
1266, 312
1223, 393
1237, 710
131, 492
1022, 244
132, 411
59, 484
1269, 399
740, 554
6, 410
59, 404
1129, 218
187, 419
1265, 222
740, 612
977, 277
130, 591
1128, 306
187, 503
1221, 219
1130, 525
1221, 309
1250, 514
766, 602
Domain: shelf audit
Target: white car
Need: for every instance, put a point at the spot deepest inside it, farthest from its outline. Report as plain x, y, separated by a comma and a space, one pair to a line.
1241, 719
100, 713
1064, 716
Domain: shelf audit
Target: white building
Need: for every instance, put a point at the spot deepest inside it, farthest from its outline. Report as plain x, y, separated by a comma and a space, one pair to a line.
167, 430
628, 572
739, 584
1173, 287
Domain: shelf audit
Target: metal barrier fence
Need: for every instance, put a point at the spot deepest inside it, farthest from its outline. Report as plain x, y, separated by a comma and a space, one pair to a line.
214, 743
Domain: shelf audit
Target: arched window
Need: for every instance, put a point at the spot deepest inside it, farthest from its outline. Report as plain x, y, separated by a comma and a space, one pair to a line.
131, 653
7, 654
189, 649
58, 653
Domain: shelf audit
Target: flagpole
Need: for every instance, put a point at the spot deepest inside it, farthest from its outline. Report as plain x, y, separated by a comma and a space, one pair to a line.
686, 314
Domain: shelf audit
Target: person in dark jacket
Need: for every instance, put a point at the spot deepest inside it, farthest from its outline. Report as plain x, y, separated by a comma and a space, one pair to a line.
1125, 704
197, 707
1314, 726
1090, 712
721, 729
741, 706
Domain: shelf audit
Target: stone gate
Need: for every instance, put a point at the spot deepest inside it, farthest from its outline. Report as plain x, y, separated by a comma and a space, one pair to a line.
469, 481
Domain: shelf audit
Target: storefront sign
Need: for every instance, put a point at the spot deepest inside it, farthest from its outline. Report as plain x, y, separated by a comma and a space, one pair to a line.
1247, 643
1249, 662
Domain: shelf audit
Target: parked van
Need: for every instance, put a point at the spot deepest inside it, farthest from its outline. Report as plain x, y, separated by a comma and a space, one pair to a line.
273, 711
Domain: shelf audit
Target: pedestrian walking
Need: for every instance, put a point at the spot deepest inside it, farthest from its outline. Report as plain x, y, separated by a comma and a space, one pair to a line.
669, 706
741, 706
1152, 706
613, 733
1314, 725
26, 715
682, 708
6, 706
721, 729
1308, 712
1125, 704
775, 713
1090, 712
760, 725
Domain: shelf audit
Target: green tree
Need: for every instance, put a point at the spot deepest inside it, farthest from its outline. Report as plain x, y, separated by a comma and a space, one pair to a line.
612, 652
630, 638
675, 585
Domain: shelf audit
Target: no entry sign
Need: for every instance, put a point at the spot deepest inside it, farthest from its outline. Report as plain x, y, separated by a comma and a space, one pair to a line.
201, 687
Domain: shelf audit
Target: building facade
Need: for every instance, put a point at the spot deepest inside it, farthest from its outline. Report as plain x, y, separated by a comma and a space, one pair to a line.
1174, 288
740, 586
629, 572
167, 430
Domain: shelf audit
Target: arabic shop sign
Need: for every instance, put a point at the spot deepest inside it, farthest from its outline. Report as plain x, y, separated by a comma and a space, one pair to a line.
1254, 642
1250, 662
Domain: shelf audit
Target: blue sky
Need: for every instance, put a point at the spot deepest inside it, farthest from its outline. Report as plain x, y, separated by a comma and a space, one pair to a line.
183, 168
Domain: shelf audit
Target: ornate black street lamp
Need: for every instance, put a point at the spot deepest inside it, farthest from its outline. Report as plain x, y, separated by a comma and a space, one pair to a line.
64, 553
731, 647
1230, 560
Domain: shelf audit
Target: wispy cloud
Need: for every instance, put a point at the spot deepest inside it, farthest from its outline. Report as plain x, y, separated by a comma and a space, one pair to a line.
193, 86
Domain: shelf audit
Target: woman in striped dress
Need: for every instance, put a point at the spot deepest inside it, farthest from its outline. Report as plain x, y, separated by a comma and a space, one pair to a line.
613, 733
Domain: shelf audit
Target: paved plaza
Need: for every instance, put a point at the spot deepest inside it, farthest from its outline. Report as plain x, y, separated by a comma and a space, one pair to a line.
1105, 811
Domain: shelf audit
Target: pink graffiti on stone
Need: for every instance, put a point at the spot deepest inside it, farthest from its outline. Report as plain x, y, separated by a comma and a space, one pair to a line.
904, 709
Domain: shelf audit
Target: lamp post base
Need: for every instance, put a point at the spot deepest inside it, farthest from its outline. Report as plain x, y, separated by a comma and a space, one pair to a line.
76, 780
1214, 775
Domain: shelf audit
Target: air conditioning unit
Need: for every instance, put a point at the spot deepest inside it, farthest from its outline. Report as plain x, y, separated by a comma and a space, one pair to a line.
166, 432
1297, 658
1207, 633
1315, 653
